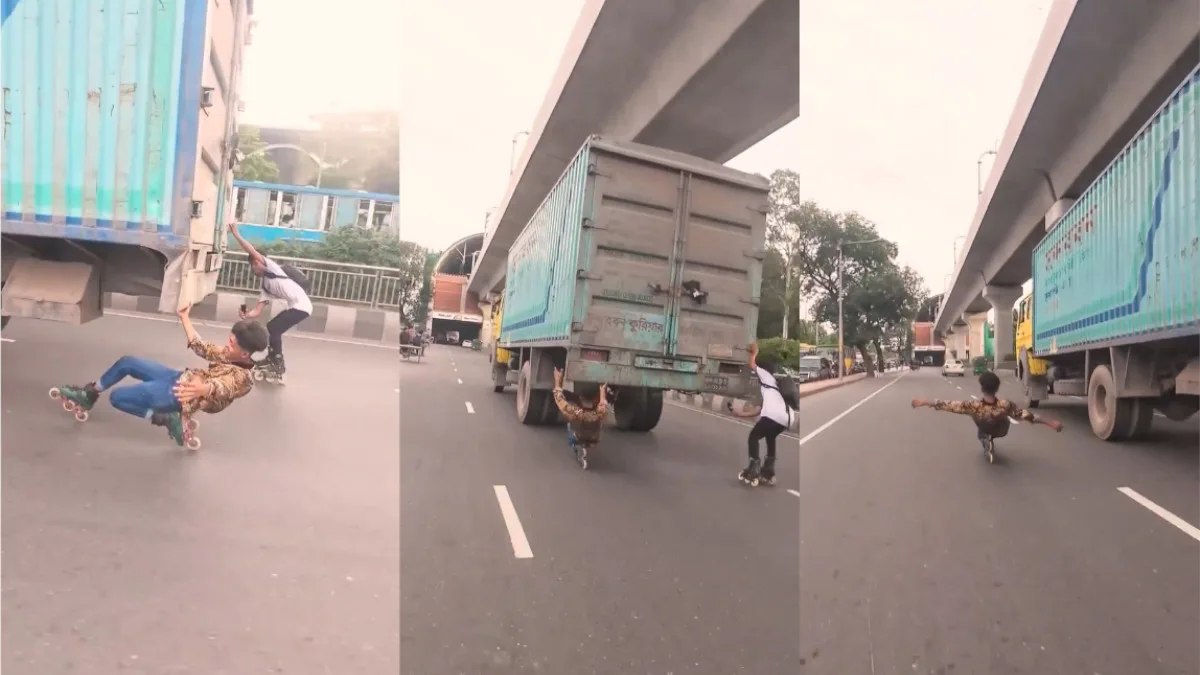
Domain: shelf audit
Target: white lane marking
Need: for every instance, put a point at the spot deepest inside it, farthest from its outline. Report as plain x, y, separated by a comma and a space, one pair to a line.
210, 324
516, 533
7, 340
460, 380
470, 408
734, 420
794, 492
1159, 511
849, 410
397, 390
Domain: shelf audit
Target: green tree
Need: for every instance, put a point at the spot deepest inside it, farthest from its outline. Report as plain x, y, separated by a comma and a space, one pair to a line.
360, 246
879, 297
259, 166
426, 295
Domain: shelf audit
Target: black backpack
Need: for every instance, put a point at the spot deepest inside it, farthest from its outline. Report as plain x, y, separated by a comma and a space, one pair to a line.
294, 274
787, 389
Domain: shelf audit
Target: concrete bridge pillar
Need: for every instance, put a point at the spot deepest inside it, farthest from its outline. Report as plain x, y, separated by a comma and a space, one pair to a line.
1002, 299
975, 325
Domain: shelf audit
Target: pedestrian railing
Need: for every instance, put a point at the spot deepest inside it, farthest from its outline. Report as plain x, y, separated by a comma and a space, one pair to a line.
375, 287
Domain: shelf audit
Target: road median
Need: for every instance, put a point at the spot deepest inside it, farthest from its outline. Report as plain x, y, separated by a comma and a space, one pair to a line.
718, 404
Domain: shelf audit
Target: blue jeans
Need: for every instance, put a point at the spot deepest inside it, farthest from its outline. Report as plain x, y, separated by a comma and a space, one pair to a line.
571, 436
155, 393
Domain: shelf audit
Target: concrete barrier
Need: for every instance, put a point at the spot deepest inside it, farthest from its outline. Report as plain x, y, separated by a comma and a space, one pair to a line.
356, 323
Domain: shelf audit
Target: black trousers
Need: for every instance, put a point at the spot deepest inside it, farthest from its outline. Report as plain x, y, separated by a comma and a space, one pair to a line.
276, 327
767, 430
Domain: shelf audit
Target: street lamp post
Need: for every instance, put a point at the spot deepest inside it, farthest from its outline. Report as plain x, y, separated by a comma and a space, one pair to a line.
841, 287
512, 155
979, 172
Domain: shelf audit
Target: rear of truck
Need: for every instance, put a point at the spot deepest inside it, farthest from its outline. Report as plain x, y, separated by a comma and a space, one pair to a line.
1116, 283
118, 147
641, 269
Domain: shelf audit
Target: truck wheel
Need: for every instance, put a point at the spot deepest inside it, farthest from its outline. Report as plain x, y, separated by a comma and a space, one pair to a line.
531, 403
1143, 418
652, 412
638, 409
1112, 418
499, 378
4, 322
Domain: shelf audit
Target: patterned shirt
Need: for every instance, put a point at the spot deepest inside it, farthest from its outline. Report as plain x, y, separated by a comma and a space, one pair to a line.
585, 423
986, 415
230, 379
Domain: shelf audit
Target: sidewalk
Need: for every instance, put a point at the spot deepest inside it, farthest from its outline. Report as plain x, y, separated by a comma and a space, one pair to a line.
716, 403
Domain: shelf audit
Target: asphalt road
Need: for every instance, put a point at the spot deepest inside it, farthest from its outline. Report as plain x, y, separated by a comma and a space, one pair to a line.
654, 561
274, 549
917, 556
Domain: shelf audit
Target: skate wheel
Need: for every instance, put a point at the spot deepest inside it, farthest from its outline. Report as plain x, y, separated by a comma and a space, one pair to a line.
583, 463
55, 393
753, 482
81, 415
991, 457
282, 379
256, 375
193, 444
68, 406
193, 425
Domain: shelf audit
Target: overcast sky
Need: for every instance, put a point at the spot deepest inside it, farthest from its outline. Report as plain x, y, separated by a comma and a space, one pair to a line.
898, 101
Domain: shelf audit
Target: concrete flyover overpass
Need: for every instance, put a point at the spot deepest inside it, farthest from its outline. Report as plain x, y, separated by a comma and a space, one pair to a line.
705, 77
1100, 70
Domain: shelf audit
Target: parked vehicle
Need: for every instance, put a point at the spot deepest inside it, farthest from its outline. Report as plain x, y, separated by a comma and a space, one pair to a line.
640, 269
1113, 314
814, 369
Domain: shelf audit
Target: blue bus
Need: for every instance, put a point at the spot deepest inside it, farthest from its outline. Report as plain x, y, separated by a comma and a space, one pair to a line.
269, 212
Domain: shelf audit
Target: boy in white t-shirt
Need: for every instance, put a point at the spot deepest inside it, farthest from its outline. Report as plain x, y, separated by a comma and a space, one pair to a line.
774, 418
278, 285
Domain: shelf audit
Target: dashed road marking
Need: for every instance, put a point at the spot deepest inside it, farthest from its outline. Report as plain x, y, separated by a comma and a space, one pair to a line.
1159, 511
470, 408
460, 380
7, 340
512, 522
793, 492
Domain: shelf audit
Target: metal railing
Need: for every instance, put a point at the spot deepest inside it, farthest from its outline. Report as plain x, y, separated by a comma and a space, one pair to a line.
375, 287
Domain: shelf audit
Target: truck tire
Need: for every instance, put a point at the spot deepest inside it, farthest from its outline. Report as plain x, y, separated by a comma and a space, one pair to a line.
638, 409
1143, 418
1026, 380
499, 378
1112, 418
531, 403
4, 322
652, 412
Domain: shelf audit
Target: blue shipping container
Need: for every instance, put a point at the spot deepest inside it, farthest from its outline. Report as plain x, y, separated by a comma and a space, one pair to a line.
1124, 261
118, 115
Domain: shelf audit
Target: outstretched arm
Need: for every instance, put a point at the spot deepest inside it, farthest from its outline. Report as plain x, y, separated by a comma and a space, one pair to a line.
753, 356
1018, 413
956, 407
254, 255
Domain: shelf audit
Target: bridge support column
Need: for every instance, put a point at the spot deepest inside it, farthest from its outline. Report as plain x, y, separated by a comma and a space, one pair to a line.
975, 330
1002, 299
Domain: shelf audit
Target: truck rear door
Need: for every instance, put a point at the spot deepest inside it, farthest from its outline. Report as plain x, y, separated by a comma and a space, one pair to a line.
675, 262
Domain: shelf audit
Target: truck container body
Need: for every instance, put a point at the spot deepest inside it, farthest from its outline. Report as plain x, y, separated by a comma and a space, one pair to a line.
1123, 264
645, 266
118, 147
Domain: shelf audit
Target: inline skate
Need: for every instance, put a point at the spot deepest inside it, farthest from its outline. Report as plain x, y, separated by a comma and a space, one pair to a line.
78, 400
752, 474
181, 428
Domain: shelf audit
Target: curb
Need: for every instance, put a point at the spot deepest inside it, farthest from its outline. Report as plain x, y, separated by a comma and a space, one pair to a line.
372, 325
715, 403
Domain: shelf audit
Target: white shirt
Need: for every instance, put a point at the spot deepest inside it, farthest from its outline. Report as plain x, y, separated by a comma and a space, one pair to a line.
774, 407
283, 288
